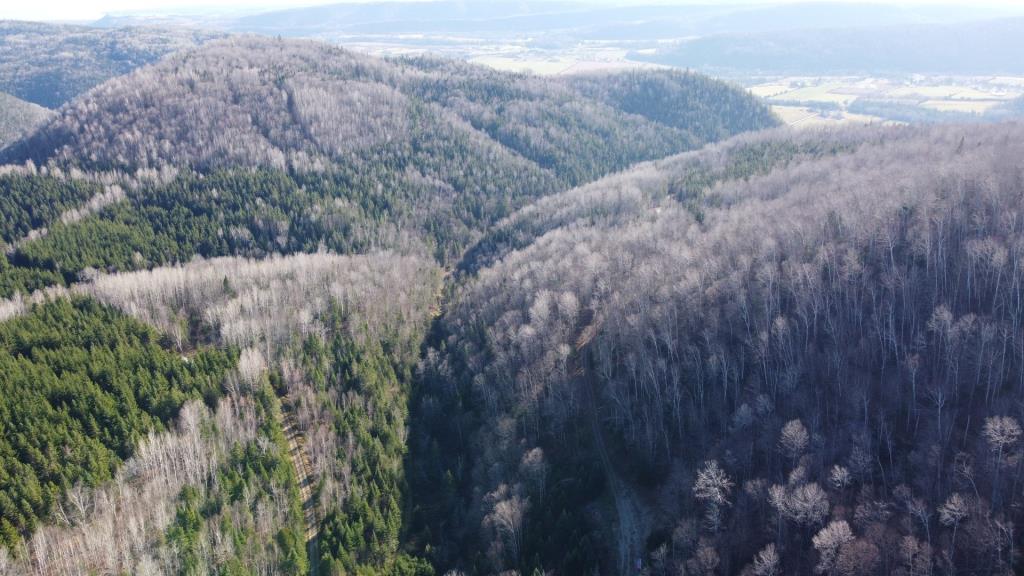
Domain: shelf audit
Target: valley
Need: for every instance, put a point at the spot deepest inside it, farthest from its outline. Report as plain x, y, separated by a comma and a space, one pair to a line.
510, 291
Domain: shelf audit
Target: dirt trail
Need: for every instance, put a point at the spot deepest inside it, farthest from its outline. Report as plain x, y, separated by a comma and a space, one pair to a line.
304, 474
630, 529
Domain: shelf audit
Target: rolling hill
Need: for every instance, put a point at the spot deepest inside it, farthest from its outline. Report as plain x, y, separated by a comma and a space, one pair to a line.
290, 104
49, 64
383, 146
276, 307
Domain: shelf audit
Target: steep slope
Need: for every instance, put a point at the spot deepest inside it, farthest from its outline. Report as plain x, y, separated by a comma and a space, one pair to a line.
49, 64
685, 178
34, 200
806, 352
339, 336
319, 346
18, 117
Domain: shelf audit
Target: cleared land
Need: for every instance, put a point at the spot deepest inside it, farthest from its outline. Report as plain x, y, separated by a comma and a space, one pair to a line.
806, 101
803, 116
968, 106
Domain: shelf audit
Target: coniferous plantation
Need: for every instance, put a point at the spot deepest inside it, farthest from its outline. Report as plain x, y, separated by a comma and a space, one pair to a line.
81, 386
273, 307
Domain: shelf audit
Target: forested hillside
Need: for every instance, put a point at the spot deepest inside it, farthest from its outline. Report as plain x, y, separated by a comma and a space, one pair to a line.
170, 193
325, 342
787, 354
685, 179
18, 117
353, 152
299, 105
80, 387
340, 336
50, 64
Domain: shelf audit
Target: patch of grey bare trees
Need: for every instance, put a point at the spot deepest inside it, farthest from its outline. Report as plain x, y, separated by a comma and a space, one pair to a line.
841, 337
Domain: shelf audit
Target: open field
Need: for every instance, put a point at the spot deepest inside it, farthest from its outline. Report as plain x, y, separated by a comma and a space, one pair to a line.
923, 92
555, 65
807, 101
509, 57
846, 89
586, 57
825, 92
802, 116
547, 66
769, 90
966, 106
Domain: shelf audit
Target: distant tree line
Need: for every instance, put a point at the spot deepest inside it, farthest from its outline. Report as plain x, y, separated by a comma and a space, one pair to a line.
50, 64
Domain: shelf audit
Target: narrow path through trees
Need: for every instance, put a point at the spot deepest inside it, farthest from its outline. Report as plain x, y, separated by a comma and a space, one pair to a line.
304, 475
631, 518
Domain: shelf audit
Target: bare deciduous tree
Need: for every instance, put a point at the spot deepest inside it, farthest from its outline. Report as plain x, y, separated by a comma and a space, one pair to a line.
794, 439
506, 518
828, 542
766, 562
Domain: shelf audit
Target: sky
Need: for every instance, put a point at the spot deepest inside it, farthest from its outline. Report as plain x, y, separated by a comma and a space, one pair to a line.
87, 10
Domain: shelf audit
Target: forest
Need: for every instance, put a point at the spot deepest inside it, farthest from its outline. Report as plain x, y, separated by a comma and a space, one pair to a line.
302, 105
817, 371
81, 386
50, 64
429, 151
304, 342
18, 117
276, 307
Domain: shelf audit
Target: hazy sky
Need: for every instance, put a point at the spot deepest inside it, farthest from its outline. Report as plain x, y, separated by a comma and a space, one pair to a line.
94, 9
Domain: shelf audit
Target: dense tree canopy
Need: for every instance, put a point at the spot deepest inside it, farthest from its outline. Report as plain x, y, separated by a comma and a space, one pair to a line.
49, 64
341, 334
18, 117
814, 366
80, 385
34, 201
331, 340
299, 105
782, 353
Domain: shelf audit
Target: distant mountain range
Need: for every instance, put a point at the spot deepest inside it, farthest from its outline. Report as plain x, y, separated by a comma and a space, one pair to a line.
972, 48
801, 38
570, 20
